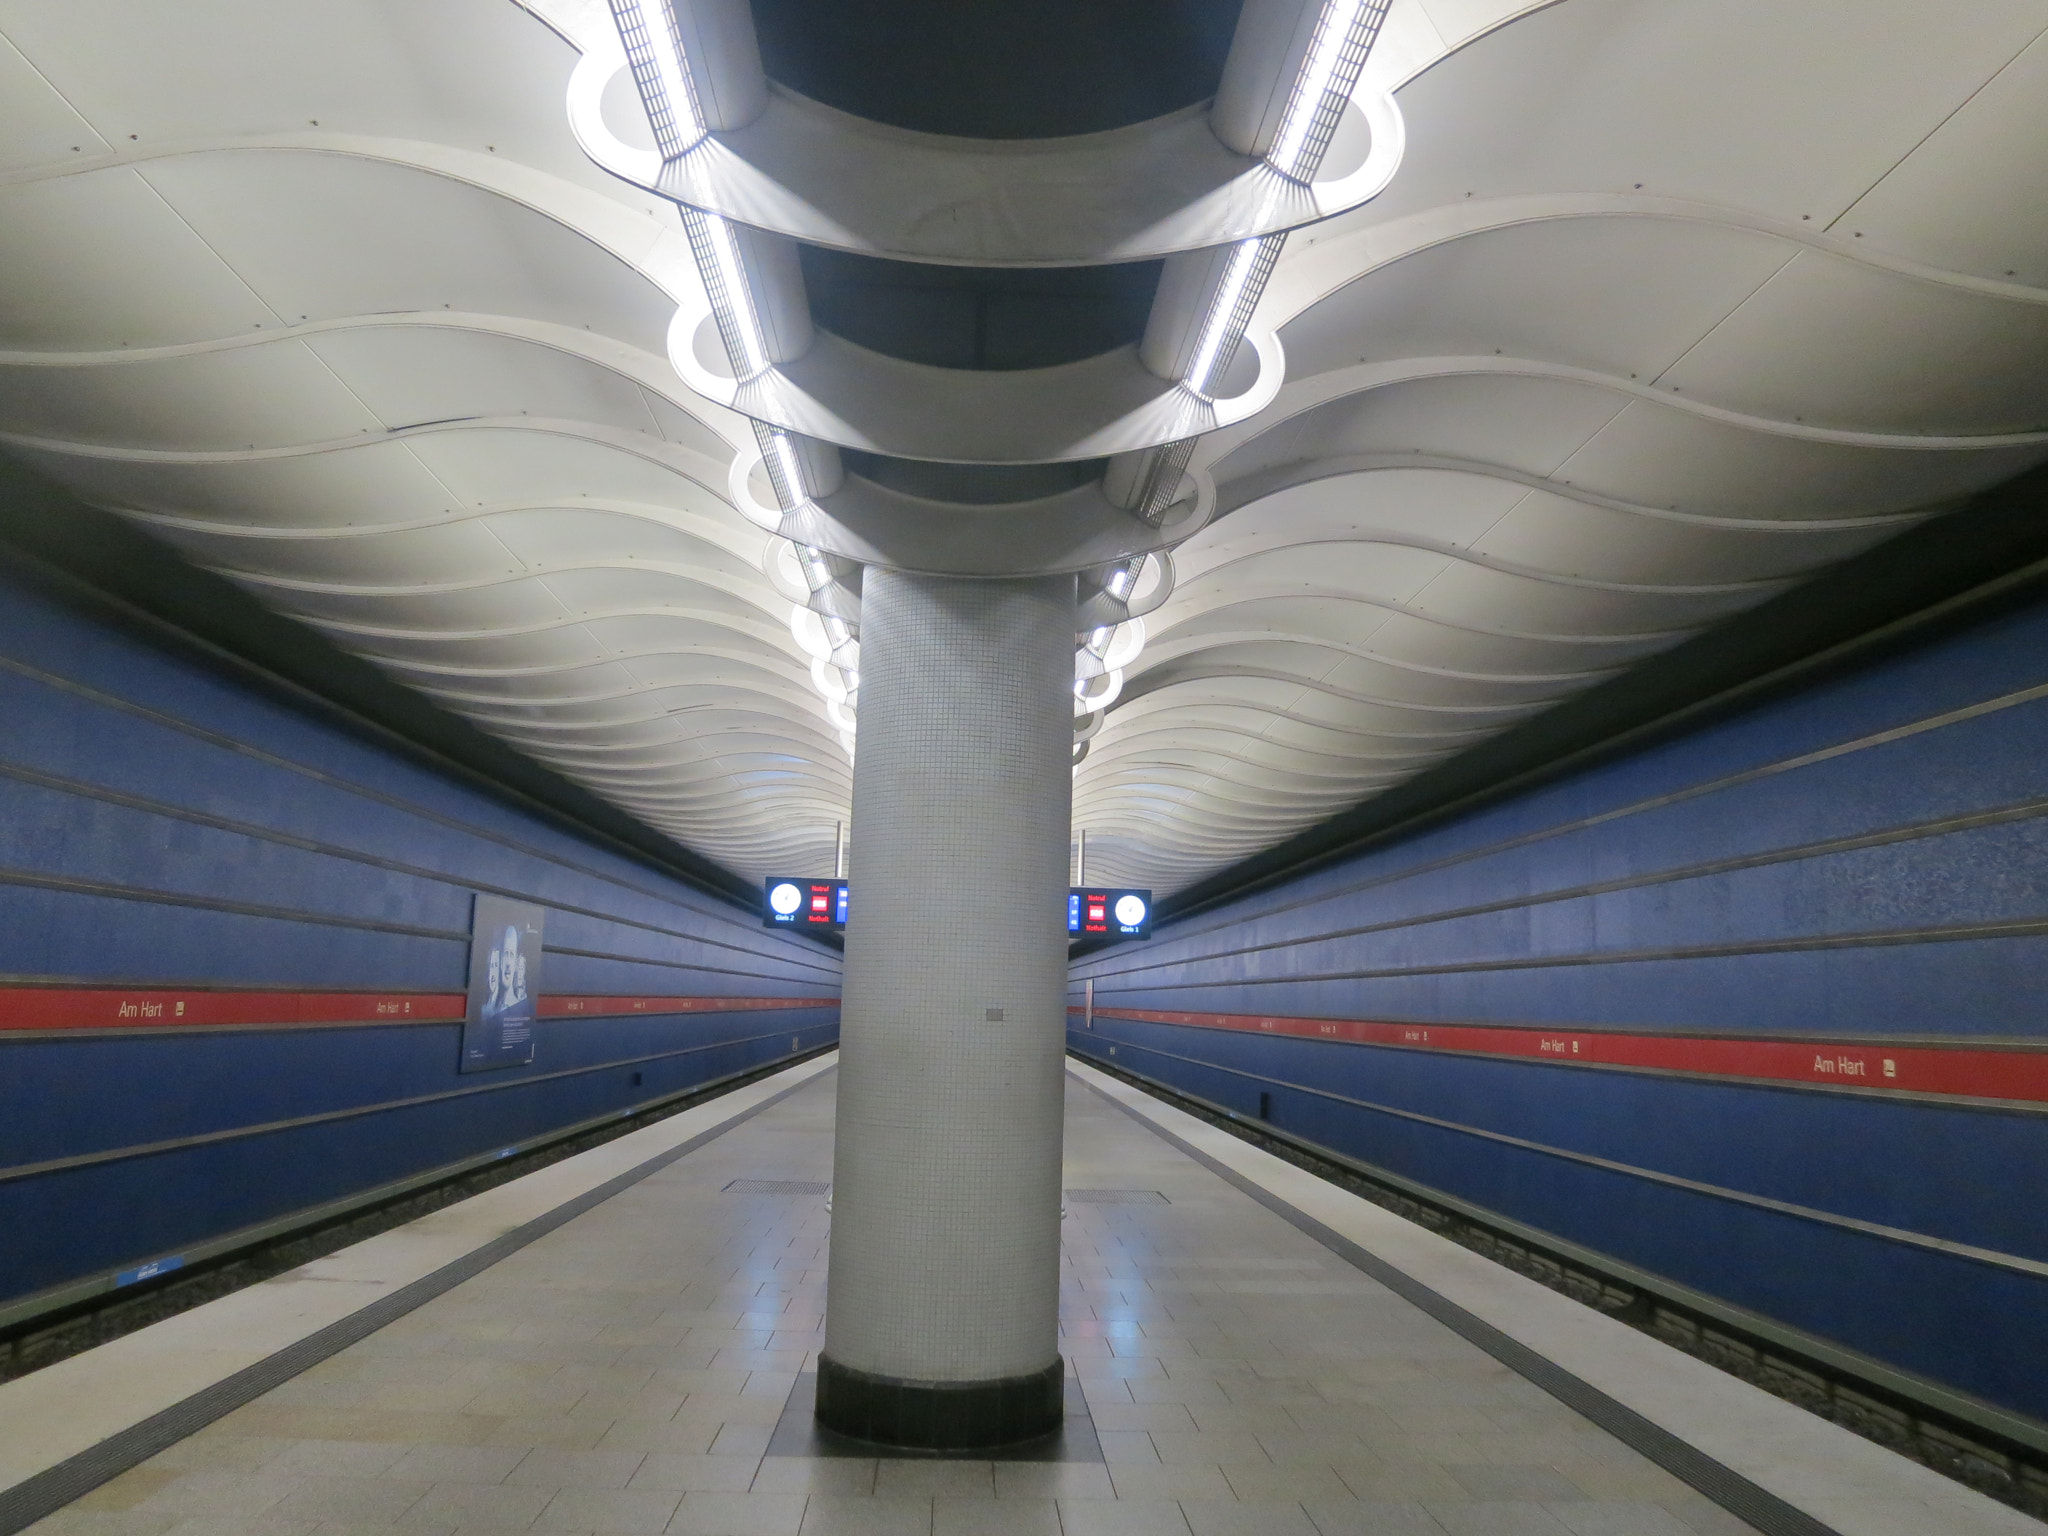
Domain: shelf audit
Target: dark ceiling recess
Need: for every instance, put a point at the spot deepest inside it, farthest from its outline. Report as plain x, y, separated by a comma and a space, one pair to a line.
979, 317
978, 485
998, 69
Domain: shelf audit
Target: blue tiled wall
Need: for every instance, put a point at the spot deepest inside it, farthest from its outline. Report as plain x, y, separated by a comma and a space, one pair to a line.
164, 824
1923, 917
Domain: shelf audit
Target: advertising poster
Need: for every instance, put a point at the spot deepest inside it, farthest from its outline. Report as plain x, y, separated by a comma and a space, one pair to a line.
504, 979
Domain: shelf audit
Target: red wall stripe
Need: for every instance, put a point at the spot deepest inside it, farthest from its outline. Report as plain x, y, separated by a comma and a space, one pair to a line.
59, 1008
1986, 1072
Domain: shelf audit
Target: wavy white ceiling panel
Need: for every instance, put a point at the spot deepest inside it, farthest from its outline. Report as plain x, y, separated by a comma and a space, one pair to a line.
1626, 296
1846, 330
320, 237
37, 126
495, 607
453, 72
418, 563
98, 260
312, 485
1939, 205
1595, 371
267, 396
410, 374
1784, 109
327, 296
1672, 302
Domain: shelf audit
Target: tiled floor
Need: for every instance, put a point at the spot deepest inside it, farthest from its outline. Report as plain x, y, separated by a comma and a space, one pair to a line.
623, 1374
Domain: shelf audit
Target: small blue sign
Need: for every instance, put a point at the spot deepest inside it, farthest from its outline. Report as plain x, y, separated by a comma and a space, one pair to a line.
150, 1270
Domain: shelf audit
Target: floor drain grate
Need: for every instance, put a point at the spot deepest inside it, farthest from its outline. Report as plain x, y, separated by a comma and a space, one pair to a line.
1116, 1197
775, 1187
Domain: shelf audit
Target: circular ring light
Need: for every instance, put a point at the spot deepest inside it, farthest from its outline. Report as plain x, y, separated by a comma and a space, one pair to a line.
740, 490
786, 898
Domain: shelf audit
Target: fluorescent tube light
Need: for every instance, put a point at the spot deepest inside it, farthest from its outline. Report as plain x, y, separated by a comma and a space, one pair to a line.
1336, 54
724, 272
1224, 327
654, 48
791, 472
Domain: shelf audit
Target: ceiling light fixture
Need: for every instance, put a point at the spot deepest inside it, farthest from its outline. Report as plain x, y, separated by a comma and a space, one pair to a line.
832, 642
654, 49
724, 272
1344, 35
1244, 278
792, 491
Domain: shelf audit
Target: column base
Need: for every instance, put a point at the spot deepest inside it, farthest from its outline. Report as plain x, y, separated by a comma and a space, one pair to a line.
940, 1415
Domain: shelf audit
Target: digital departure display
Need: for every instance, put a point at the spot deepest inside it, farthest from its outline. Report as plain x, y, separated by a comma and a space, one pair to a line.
1113, 914
792, 902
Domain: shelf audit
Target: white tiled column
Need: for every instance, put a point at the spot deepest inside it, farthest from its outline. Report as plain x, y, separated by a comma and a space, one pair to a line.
941, 1321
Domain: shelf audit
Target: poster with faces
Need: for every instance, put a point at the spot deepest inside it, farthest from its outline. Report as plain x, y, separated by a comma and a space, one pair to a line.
504, 978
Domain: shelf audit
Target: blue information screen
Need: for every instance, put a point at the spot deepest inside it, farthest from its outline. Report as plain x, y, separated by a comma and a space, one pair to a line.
793, 901
790, 901
1105, 912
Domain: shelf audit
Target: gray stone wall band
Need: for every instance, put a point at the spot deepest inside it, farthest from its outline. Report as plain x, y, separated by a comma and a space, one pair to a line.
946, 1177
940, 1416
